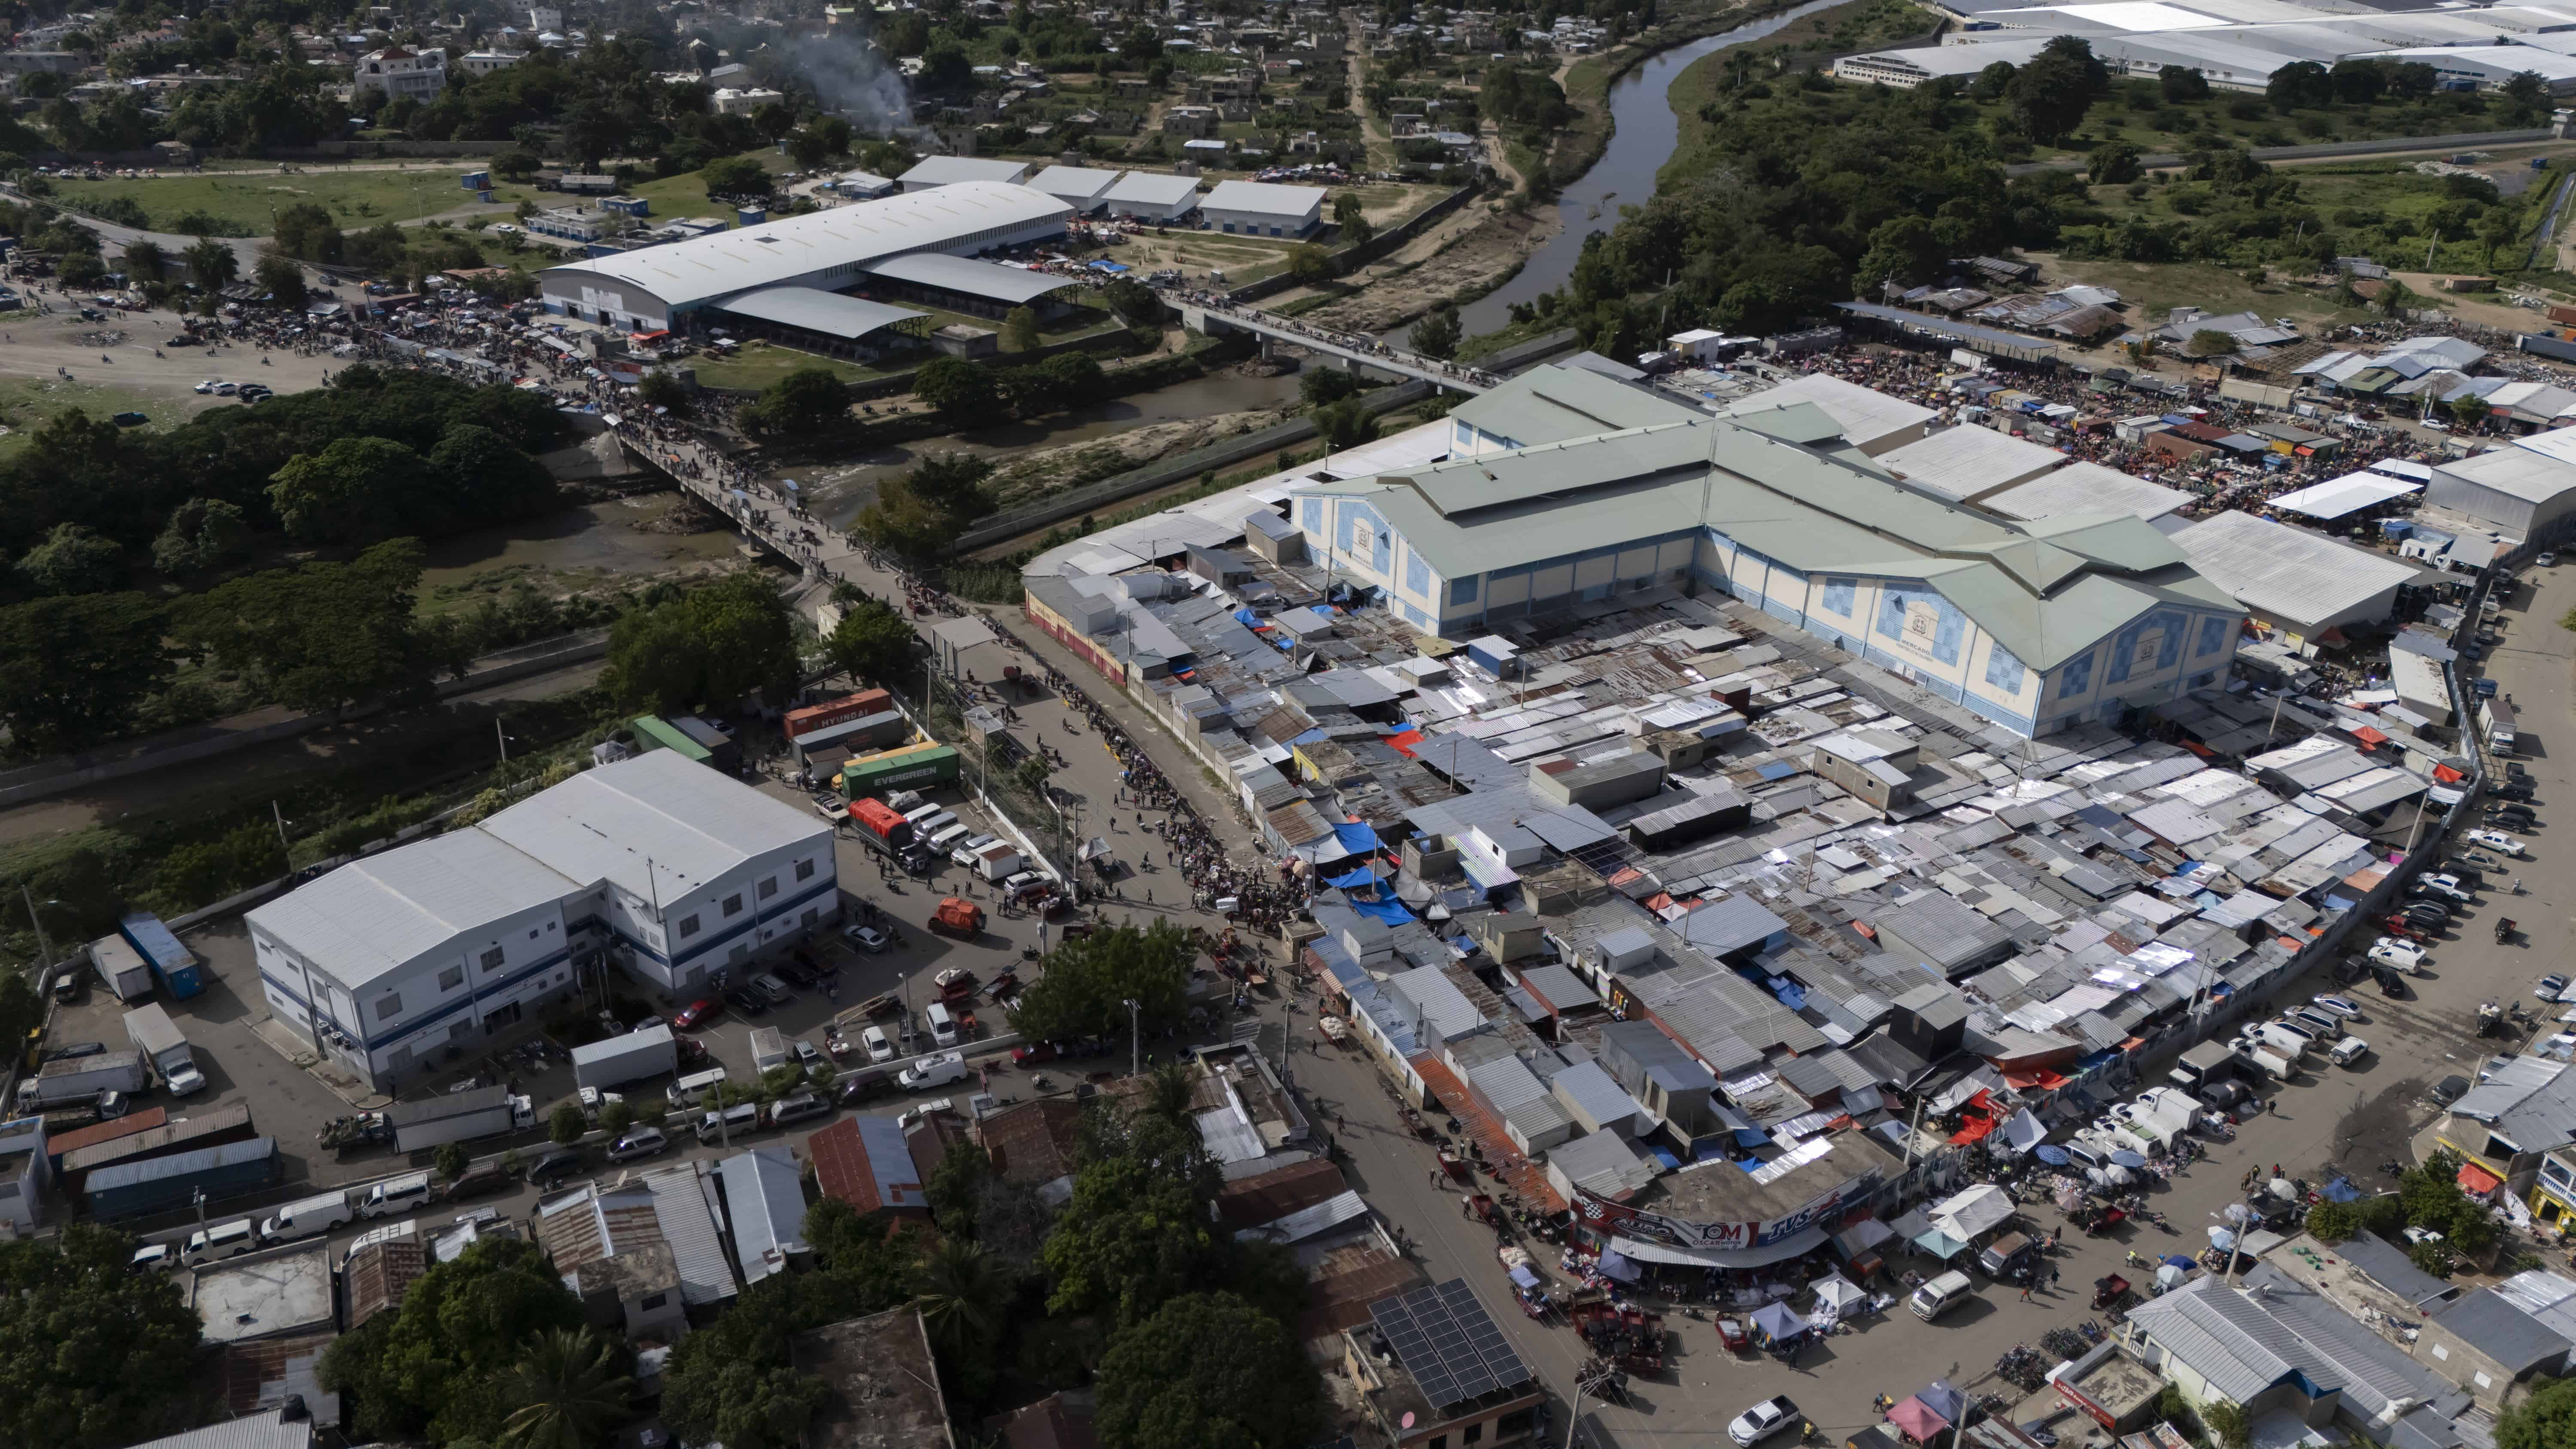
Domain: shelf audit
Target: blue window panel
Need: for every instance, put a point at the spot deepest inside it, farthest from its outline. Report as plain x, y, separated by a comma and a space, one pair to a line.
2124, 648
1314, 515
2077, 678
1413, 614
1838, 596
1462, 591
1417, 574
2213, 636
1380, 551
2004, 670
1949, 626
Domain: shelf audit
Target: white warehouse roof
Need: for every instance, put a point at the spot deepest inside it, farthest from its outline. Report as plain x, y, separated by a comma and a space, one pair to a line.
1082, 186
951, 170
694, 824
1265, 198
2532, 474
1965, 462
2085, 488
773, 253
2348, 494
376, 915
1152, 188
1866, 414
2285, 574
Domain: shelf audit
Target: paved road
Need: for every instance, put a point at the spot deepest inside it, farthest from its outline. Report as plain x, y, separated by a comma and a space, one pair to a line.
2384, 146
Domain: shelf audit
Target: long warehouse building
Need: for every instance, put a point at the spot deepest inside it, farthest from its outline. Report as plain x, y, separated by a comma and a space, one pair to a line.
810, 257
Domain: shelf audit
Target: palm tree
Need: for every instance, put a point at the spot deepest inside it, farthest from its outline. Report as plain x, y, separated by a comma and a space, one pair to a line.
1167, 1091
964, 1289
566, 1392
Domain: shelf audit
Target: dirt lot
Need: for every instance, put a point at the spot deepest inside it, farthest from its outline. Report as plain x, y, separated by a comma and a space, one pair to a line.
1470, 251
1025, 478
47, 346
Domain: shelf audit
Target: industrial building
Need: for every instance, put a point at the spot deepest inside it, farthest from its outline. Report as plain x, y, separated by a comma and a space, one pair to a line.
1084, 188
2036, 626
937, 171
1149, 196
2313, 588
2525, 490
687, 286
1263, 208
659, 864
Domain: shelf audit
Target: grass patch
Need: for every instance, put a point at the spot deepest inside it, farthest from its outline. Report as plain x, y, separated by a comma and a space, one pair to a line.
355, 199
758, 364
2154, 288
28, 403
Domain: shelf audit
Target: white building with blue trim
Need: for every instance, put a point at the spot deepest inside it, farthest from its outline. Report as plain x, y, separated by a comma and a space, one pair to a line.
1564, 488
657, 863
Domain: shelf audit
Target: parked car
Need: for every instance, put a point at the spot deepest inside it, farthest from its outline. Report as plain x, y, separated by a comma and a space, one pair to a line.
156, 1257
808, 1055
2404, 956
2341, 1006
746, 1001
1762, 1421
2516, 790
2325, 1023
798, 1107
831, 807
879, 1049
2546, 560
639, 1142
481, 1177
2497, 841
1035, 1052
768, 984
696, 1013
2448, 887
555, 1166
866, 938
2550, 988
794, 975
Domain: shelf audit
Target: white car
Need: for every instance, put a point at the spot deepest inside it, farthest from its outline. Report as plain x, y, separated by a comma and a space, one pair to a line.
503, 228
879, 1049
210, 384
2446, 886
2546, 560
831, 807
2550, 988
1762, 1421
2398, 954
2497, 841
227, 389
2340, 1006
866, 938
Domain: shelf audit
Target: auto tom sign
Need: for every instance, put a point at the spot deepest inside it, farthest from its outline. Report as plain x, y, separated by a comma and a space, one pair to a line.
1604, 1216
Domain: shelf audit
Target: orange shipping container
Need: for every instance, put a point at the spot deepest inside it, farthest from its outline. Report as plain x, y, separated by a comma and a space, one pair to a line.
832, 712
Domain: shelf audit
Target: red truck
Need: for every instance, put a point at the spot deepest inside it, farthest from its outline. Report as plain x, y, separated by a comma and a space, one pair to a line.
958, 917
879, 825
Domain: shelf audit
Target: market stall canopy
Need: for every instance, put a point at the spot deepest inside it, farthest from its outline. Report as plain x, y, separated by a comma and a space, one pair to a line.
1778, 1321
1943, 1400
1616, 1265
2053, 1156
1971, 1214
1838, 1293
1762, 1255
1918, 1421
2022, 1131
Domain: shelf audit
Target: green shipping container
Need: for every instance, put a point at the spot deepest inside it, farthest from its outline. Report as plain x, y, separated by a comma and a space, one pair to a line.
652, 732
911, 769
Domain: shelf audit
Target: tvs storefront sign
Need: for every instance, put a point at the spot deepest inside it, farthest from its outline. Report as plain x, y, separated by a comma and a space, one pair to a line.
1607, 1218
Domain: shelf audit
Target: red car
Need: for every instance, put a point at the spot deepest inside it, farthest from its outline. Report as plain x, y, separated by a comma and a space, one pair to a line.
695, 1014
1045, 1051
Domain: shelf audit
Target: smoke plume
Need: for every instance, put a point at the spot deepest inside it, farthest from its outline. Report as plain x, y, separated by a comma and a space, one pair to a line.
853, 78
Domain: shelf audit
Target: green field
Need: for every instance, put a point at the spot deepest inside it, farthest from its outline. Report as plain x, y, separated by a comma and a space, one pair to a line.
356, 199
28, 403
685, 195
758, 364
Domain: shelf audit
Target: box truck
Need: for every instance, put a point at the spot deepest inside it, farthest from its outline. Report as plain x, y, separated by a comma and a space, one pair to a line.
157, 1037
166, 1184
652, 1052
458, 1117
121, 967
82, 1079
768, 1048
172, 963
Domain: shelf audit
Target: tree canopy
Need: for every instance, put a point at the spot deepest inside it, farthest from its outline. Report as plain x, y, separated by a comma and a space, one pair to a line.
922, 512
324, 636
92, 1353
73, 669
711, 646
810, 399
1207, 1371
1089, 980
435, 1366
873, 642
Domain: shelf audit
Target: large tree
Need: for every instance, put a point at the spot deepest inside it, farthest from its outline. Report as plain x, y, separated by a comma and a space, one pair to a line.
355, 489
2546, 1420
72, 670
956, 387
1136, 1233
922, 512
873, 642
438, 1366
92, 1353
213, 263
565, 1392
323, 636
1208, 1371
74, 559
712, 646
1089, 981
2050, 95
807, 400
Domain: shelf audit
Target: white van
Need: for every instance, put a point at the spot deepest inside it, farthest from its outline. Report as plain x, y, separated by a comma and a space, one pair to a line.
400, 1195
223, 1240
933, 1071
740, 1120
685, 1092
2290, 1041
312, 1216
943, 1026
1939, 1296
951, 838
921, 812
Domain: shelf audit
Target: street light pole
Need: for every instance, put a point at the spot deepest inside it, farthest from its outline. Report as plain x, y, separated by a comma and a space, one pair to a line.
43, 943
504, 738
1135, 1038
282, 843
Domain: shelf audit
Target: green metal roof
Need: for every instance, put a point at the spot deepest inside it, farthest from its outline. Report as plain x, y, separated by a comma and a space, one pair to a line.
1552, 404
1776, 483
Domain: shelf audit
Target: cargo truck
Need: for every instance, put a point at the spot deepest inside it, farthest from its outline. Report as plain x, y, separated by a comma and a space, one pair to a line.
880, 827
121, 967
958, 917
167, 1184
152, 1032
458, 1117
172, 963
652, 1052
2211, 1061
997, 863
82, 1079
768, 1048
912, 765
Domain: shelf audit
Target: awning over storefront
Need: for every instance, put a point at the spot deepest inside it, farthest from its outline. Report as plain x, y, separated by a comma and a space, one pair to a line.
2476, 1181
1763, 1255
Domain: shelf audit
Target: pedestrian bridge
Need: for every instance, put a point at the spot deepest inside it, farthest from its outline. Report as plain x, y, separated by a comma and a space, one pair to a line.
1207, 315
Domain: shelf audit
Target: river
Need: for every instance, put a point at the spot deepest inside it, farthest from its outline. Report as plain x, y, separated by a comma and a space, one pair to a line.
1645, 130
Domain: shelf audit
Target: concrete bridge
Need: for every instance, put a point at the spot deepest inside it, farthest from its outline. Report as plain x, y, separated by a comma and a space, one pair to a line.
1201, 313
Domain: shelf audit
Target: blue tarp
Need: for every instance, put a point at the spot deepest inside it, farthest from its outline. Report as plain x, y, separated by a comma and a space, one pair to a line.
1664, 1155
2340, 1190
1364, 876
1390, 911
1356, 836
1109, 266
1247, 618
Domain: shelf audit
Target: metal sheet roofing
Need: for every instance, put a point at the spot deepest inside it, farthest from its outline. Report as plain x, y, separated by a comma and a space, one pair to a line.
372, 917
1083, 185
816, 310
766, 1191
1865, 414
950, 170
684, 1201
2502, 1330
2288, 574
1552, 404
774, 252
1014, 285
1963, 462
1149, 188
2084, 488
2535, 469
1266, 198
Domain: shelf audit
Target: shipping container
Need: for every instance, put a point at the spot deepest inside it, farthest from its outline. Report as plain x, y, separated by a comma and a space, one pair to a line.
653, 1052
867, 734
173, 964
184, 1134
457, 1117
913, 765
150, 1029
722, 753
166, 1184
58, 1147
832, 712
121, 967
652, 732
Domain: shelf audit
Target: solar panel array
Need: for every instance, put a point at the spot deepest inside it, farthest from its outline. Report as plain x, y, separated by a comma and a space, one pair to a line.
1446, 1340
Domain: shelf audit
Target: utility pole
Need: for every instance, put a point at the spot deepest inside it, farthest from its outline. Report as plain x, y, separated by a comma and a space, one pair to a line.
43, 943
280, 817
504, 739
1135, 1038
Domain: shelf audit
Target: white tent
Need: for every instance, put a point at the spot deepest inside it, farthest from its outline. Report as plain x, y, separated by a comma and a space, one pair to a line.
2022, 1132
1838, 1293
1970, 1214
